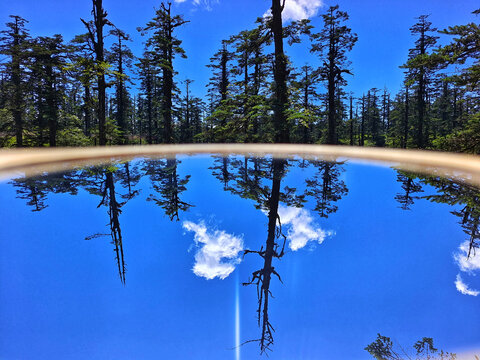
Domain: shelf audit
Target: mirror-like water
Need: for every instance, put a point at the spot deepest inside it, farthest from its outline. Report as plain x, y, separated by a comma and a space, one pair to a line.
232, 258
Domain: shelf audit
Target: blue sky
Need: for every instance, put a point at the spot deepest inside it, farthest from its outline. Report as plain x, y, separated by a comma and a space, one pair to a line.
382, 27
370, 267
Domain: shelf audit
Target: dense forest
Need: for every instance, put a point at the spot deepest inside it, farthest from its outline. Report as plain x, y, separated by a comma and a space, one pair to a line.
92, 89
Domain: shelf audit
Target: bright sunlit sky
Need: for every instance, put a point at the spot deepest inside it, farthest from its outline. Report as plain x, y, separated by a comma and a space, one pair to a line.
382, 27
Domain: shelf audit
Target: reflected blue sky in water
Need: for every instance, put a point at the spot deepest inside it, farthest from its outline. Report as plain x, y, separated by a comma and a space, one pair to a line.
369, 267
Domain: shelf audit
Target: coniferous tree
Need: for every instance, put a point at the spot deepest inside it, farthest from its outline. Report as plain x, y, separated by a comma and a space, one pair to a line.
219, 89
165, 47
280, 96
122, 56
81, 69
304, 109
14, 44
420, 72
49, 56
333, 42
95, 32
147, 75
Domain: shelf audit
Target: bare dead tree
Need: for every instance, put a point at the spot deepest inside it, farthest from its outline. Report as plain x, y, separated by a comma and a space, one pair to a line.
275, 248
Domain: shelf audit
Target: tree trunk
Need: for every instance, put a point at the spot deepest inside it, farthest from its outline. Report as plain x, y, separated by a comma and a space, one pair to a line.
100, 18
351, 120
17, 91
405, 124
280, 76
51, 106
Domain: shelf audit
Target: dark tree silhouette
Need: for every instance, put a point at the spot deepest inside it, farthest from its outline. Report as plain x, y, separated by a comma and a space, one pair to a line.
410, 187
13, 43
168, 186
453, 192
383, 348
334, 41
259, 179
274, 248
35, 189
467, 198
326, 187
280, 74
95, 33
165, 47
122, 56
419, 71
101, 181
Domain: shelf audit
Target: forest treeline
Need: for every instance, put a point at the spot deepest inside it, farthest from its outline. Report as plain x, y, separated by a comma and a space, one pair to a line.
82, 92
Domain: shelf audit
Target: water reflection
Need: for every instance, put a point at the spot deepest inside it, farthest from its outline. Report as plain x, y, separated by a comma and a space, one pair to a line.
168, 186
466, 199
102, 183
219, 251
298, 197
261, 180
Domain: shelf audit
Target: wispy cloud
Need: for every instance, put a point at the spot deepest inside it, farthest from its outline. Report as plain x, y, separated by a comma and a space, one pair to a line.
207, 4
466, 264
218, 252
301, 227
463, 288
299, 9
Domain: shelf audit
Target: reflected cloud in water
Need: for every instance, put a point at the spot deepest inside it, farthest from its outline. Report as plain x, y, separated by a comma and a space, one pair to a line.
301, 227
463, 288
468, 263
218, 252
303, 201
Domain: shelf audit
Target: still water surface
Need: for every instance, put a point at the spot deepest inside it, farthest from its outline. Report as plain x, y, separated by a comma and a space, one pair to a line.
232, 258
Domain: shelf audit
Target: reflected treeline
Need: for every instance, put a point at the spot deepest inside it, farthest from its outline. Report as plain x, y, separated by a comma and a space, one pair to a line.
35, 189
101, 182
450, 192
410, 188
260, 180
168, 186
273, 249
383, 348
115, 185
326, 187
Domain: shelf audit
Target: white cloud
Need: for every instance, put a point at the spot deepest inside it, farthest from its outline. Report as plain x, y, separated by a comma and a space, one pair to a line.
299, 9
206, 3
465, 263
463, 288
218, 253
301, 228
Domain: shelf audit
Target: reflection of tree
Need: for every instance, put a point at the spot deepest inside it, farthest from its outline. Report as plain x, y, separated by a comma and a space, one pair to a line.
35, 189
409, 187
129, 178
249, 177
326, 187
467, 197
101, 181
97, 180
221, 170
261, 278
383, 348
114, 210
453, 193
260, 180
168, 185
